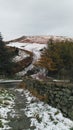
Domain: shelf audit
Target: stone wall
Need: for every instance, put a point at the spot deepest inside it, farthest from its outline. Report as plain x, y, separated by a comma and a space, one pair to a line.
58, 95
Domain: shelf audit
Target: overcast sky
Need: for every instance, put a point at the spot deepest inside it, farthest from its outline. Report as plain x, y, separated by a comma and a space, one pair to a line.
36, 17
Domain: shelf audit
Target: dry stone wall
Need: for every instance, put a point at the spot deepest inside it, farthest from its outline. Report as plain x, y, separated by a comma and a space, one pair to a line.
57, 95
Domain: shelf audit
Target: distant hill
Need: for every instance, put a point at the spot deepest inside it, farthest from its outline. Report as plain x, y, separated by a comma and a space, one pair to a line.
40, 39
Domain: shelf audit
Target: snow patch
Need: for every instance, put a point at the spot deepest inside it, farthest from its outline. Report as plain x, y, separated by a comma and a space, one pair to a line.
6, 104
22, 55
33, 47
45, 117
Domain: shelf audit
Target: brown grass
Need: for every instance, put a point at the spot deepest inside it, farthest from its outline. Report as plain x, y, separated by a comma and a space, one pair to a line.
34, 92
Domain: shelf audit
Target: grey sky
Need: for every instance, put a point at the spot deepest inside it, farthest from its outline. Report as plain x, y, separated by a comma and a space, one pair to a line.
36, 17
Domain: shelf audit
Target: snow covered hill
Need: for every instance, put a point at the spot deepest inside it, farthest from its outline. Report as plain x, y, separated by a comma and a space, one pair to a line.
40, 39
33, 48
34, 45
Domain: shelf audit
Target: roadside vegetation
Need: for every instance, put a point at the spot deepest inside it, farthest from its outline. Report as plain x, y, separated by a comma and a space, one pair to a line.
6, 63
8, 68
57, 59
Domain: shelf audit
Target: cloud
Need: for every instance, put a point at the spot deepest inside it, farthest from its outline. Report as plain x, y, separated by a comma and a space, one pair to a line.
35, 17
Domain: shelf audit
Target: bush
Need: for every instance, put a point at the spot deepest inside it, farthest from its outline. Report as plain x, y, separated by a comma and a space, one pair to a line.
6, 56
58, 59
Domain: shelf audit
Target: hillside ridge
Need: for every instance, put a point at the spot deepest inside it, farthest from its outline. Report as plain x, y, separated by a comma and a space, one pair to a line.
40, 39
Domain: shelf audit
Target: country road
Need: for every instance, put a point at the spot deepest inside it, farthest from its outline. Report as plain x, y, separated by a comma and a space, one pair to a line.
12, 105
19, 110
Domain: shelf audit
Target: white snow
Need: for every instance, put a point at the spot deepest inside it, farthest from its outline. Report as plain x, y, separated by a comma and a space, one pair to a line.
23, 72
4, 109
33, 47
45, 117
42, 116
22, 55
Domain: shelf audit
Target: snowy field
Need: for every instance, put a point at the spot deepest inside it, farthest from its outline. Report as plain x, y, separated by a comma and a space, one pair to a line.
33, 47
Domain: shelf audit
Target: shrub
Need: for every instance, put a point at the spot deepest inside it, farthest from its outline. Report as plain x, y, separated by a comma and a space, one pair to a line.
57, 58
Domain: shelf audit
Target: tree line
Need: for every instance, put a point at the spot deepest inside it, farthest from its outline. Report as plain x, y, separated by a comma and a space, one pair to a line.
57, 59
6, 63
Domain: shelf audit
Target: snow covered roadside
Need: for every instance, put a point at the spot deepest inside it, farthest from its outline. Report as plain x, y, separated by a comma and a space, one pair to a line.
6, 104
43, 116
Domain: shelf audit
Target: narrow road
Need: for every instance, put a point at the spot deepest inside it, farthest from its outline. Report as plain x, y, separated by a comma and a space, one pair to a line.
19, 110
17, 117
16, 102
